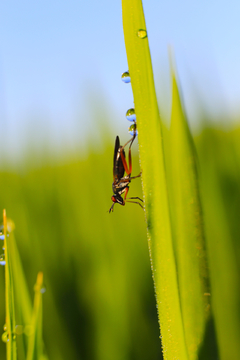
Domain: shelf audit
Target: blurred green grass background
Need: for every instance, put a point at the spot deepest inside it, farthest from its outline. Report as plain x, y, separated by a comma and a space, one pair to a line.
99, 302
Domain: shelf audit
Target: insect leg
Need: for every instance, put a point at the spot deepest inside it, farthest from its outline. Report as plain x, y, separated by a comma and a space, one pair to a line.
136, 197
128, 170
135, 202
134, 177
131, 140
124, 161
126, 191
111, 208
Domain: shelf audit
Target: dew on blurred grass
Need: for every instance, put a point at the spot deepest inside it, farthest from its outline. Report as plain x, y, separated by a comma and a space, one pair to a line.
5, 337
2, 260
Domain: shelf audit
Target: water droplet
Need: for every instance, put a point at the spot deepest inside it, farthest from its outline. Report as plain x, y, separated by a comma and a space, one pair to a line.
10, 226
3, 247
2, 260
130, 115
43, 290
142, 34
28, 330
133, 129
5, 337
126, 77
2, 237
14, 336
19, 329
5, 327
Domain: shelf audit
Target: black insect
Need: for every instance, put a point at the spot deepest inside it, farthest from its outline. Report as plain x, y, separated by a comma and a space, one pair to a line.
120, 182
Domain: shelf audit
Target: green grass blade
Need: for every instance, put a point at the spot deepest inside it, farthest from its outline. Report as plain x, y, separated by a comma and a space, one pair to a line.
9, 335
189, 241
154, 181
225, 277
35, 347
221, 208
23, 303
24, 310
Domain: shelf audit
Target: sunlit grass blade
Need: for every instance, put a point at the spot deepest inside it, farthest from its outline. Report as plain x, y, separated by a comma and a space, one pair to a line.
188, 231
154, 181
220, 179
9, 335
23, 303
225, 279
35, 345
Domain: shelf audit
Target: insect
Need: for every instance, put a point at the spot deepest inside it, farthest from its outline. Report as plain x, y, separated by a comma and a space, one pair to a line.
120, 182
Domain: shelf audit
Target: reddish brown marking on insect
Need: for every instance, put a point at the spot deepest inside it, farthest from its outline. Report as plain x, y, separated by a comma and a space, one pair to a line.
120, 182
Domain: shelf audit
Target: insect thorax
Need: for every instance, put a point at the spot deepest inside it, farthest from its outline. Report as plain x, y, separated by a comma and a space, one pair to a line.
119, 188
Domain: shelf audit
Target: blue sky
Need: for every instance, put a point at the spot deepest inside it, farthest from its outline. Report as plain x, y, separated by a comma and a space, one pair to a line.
60, 60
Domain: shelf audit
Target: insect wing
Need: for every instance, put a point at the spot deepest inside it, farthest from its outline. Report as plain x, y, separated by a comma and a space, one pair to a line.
117, 145
118, 168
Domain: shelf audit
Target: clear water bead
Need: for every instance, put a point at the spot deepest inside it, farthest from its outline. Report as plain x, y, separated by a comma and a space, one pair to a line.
130, 115
126, 77
133, 129
142, 34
